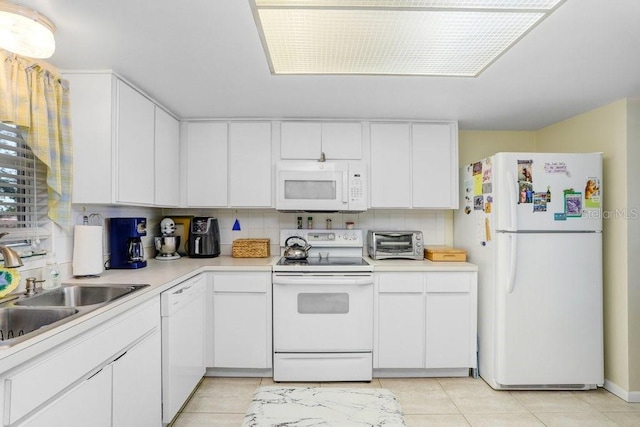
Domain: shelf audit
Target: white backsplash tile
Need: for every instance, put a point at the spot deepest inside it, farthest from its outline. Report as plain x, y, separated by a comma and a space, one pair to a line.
266, 223
254, 223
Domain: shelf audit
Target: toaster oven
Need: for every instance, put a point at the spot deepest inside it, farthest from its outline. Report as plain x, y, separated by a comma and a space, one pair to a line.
395, 244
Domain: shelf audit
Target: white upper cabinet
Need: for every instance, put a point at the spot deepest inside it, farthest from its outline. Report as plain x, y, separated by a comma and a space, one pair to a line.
114, 142
414, 165
228, 164
434, 166
390, 165
127, 150
91, 97
206, 166
167, 159
250, 161
134, 146
308, 140
300, 140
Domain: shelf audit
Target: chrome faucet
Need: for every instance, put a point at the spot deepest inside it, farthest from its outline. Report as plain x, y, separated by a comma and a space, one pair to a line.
11, 257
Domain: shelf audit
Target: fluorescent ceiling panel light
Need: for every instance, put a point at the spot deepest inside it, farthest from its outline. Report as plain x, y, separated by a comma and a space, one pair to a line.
25, 32
401, 37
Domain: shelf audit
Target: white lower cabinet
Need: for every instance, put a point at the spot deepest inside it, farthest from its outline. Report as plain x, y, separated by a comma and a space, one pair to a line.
451, 320
123, 393
136, 385
400, 320
425, 321
240, 321
109, 375
87, 404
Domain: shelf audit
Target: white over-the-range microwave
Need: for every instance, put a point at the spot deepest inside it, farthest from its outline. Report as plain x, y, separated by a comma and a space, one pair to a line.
321, 186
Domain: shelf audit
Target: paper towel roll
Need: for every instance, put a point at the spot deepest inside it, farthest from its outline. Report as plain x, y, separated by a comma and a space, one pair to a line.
87, 250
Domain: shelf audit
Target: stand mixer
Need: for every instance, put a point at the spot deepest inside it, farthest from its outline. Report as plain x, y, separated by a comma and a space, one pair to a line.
167, 245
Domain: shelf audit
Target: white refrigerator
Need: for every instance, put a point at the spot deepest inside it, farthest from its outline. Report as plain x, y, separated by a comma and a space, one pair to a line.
532, 222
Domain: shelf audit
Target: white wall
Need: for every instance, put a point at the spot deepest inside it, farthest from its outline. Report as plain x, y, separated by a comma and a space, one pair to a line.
613, 130
633, 243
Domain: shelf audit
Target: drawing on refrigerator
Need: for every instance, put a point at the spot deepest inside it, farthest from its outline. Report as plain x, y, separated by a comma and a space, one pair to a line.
532, 222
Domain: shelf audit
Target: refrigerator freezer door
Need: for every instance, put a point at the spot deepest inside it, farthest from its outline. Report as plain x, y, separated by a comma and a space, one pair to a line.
549, 320
521, 182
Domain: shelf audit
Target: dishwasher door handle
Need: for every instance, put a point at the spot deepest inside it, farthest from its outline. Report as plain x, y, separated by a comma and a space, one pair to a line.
181, 290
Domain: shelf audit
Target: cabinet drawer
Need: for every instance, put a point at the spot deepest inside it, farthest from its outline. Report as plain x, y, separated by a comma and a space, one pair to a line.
448, 282
58, 370
258, 282
401, 283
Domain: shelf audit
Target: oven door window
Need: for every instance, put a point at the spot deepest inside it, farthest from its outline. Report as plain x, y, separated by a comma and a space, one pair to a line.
309, 190
323, 303
397, 244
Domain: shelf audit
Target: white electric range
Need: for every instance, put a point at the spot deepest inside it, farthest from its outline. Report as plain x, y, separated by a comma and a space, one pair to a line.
323, 309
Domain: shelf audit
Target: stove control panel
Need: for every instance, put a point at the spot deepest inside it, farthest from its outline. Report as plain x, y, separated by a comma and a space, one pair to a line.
332, 238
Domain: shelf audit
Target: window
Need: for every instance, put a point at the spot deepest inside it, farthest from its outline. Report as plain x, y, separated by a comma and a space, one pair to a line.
23, 190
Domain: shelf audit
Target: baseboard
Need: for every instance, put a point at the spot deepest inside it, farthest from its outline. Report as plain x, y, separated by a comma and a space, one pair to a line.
239, 372
629, 396
420, 373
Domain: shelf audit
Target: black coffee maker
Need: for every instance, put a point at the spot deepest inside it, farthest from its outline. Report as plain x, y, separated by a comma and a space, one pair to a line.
125, 243
204, 237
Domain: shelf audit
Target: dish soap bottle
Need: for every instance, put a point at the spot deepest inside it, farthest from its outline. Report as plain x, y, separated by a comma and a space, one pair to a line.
51, 274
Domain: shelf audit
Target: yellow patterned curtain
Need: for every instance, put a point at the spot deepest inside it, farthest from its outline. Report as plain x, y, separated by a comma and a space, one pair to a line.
35, 99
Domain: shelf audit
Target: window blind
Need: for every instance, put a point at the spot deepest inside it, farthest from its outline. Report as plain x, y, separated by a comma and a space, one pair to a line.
23, 189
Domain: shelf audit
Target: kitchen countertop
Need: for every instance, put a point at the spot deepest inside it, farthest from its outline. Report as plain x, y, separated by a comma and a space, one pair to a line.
419, 265
159, 275
162, 275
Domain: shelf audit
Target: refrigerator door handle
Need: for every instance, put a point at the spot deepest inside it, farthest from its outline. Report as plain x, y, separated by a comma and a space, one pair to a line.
513, 202
513, 262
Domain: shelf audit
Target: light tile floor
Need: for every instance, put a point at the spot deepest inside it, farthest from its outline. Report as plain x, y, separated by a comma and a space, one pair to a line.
222, 402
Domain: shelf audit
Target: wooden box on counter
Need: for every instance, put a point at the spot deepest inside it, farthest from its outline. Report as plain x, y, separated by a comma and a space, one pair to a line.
251, 248
445, 253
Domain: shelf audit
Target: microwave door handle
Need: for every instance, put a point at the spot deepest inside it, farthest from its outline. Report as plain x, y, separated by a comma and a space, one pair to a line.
345, 187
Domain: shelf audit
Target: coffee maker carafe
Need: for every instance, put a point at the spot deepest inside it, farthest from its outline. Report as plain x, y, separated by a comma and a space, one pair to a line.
125, 242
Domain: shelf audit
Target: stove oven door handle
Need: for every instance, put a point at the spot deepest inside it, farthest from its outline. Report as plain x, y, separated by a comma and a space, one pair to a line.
322, 280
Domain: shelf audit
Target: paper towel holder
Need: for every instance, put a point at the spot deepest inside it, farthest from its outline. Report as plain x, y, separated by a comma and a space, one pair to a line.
88, 251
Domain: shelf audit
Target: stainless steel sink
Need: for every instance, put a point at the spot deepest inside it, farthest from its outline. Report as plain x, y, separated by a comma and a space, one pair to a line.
23, 317
78, 296
18, 322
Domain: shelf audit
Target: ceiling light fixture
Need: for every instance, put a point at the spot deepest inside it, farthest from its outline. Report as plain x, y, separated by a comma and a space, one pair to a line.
25, 32
393, 37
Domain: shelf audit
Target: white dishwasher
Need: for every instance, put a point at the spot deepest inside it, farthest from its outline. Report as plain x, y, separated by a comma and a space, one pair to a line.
182, 311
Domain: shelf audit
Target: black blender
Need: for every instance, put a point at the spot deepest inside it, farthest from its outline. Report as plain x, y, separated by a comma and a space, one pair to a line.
125, 243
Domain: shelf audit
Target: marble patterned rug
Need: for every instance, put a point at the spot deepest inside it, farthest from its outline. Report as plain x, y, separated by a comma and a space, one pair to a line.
323, 406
